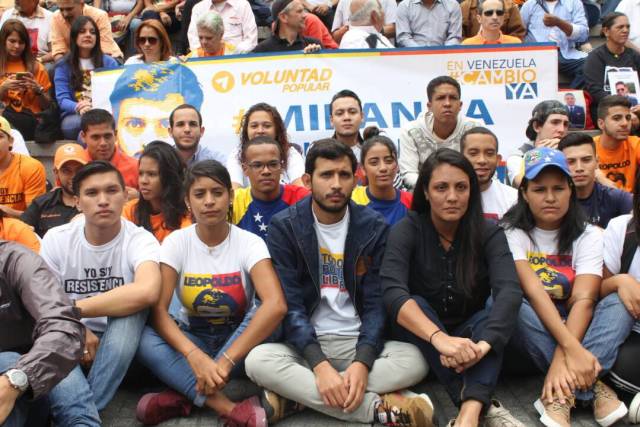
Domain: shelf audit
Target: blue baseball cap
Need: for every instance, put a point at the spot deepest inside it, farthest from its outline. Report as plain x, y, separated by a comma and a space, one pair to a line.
539, 158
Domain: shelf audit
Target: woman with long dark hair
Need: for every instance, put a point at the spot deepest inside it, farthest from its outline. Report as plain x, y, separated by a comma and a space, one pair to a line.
160, 208
24, 83
441, 264
73, 74
216, 269
264, 120
569, 335
379, 160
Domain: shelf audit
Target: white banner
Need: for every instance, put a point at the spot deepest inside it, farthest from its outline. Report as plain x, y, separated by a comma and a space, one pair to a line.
500, 87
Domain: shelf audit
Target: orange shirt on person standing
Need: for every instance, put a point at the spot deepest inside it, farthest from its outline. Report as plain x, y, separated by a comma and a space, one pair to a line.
17, 231
127, 165
22, 181
619, 165
160, 231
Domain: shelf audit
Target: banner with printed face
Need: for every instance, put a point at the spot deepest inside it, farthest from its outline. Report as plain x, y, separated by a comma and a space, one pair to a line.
500, 87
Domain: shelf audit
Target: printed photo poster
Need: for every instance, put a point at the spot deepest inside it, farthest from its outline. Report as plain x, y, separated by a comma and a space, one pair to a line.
577, 106
624, 82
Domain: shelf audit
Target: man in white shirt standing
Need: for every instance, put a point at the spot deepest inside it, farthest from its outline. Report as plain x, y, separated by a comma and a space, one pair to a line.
37, 20
240, 28
480, 146
110, 268
366, 24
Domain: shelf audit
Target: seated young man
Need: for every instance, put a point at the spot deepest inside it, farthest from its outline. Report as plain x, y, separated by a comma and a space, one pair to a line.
599, 202
254, 206
110, 268
335, 360
40, 343
58, 206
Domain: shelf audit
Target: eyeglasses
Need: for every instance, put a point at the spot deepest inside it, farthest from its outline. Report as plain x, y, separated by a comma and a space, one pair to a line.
259, 166
498, 12
151, 40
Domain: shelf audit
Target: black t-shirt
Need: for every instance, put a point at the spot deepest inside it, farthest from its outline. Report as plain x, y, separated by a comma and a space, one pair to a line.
605, 203
48, 211
276, 44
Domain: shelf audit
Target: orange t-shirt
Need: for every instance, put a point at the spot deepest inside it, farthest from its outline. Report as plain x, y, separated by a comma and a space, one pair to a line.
23, 98
479, 39
23, 181
127, 165
619, 165
157, 220
17, 231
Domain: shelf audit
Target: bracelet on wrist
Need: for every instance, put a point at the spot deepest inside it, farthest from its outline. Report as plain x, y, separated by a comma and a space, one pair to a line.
433, 334
226, 356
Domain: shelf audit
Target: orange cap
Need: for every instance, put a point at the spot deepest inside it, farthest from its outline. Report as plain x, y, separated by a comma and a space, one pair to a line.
67, 153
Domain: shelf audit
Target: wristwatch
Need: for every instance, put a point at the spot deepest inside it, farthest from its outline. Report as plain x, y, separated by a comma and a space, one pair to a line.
18, 379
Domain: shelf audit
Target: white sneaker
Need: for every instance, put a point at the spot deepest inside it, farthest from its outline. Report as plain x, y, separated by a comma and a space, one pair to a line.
555, 414
498, 416
634, 410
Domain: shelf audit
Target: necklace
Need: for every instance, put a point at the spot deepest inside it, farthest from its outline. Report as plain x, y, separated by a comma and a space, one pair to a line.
445, 239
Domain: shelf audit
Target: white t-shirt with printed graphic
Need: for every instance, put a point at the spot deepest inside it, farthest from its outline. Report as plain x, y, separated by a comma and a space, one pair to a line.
214, 282
335, 314
558, 271
86, 270
498, 199
613, 245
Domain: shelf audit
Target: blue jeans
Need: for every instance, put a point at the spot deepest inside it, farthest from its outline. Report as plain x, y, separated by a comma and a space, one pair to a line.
572, 68
118, 345
79, 411
609, 327
477, 382
70, 126
172, 368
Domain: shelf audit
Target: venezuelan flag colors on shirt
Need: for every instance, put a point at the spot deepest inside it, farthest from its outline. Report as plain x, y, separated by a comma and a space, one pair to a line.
255, 215
392, 210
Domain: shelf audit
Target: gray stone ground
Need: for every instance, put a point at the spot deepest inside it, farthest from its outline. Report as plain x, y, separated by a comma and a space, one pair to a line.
516, 393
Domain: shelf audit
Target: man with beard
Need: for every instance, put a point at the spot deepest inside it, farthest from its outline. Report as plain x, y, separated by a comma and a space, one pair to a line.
58, 206
185, 127
289, 21
333, 331
480, 146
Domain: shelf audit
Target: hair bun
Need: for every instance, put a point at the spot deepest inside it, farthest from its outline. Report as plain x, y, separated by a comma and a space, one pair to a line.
370, 132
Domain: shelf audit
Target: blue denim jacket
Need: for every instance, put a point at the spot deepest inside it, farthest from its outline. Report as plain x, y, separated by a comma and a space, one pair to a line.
293, 245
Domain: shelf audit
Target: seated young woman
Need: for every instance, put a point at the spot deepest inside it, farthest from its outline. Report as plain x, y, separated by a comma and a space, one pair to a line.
379, 160
161, 208
442, 263
570, 336
216, 279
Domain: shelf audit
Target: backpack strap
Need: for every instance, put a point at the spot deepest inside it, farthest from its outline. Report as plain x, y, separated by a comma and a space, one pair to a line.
629, 247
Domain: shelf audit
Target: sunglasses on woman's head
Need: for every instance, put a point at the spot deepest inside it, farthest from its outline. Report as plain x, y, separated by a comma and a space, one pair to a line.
498, 12
151, 40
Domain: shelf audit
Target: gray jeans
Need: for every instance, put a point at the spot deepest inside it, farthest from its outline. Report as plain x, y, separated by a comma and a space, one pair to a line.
280, 368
